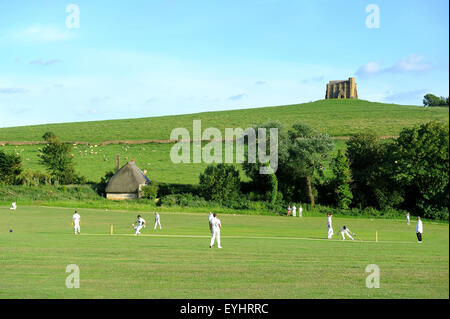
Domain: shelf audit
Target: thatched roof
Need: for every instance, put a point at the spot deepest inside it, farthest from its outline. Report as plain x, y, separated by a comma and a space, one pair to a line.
127, 179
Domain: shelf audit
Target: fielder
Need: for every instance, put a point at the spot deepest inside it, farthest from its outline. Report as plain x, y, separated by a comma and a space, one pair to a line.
13, 206
330, 226
210, 217
419, 230
76, 218
157, 221
294, 211
138, 225
300, 211
216, 225
407, 218
345, 231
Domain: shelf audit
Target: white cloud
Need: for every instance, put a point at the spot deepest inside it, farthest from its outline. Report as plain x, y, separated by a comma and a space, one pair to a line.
38, 33
313, 80
411, 63
13, 90
406, 96
369, 69
237, 97
45, 62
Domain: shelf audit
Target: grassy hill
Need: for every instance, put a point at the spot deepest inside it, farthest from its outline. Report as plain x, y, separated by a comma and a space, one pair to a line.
334, 117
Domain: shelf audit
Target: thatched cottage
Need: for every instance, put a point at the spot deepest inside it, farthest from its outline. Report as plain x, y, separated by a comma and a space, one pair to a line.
127, 183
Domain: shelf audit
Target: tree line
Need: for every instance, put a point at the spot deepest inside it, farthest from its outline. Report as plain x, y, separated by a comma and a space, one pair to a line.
433, 100
409, 173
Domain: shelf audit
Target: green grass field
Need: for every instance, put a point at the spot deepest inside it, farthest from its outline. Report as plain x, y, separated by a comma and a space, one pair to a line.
155, 158
334, 117
263, 257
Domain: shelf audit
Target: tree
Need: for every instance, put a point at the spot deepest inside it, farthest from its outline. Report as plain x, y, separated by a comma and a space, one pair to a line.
266, 185
10, 168
301, 155
422, 166
101, 187
433, 100
341, 182
273, 193
220, 182
56, 157
308, 151
371, 165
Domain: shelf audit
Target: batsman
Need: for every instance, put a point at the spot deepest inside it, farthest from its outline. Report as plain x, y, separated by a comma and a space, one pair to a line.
345, 231
138, 225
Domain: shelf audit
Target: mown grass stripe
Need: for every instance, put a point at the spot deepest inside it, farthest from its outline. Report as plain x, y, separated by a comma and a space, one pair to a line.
253, 237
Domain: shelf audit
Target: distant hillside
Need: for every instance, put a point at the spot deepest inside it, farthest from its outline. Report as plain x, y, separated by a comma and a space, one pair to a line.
335, 117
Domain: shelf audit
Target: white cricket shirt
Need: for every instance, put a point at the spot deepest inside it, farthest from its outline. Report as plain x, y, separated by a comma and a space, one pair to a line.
419, 227
76, 218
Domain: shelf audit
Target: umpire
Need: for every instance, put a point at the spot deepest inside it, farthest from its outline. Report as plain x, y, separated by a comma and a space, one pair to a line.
419, 229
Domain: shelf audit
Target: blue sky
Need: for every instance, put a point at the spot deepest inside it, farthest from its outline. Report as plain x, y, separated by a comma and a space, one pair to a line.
133, 59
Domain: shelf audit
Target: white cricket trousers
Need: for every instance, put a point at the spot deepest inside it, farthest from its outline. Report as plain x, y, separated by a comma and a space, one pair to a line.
215, 234
76, 228
138, 230
345, 232
157, 222
330, 232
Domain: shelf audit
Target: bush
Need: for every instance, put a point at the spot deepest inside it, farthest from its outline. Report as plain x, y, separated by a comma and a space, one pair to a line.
150, 191
170, 189
184, 200
34, 178
220, 182
241, 203
10, 168
24, 193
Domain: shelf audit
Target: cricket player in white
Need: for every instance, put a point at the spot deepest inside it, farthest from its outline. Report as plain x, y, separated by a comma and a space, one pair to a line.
216, 225
76, 218
300, 211
345, 231
210, 217
407, 218
157, 220
294, 211
330, 226
138, 225
419, 230
13, 206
